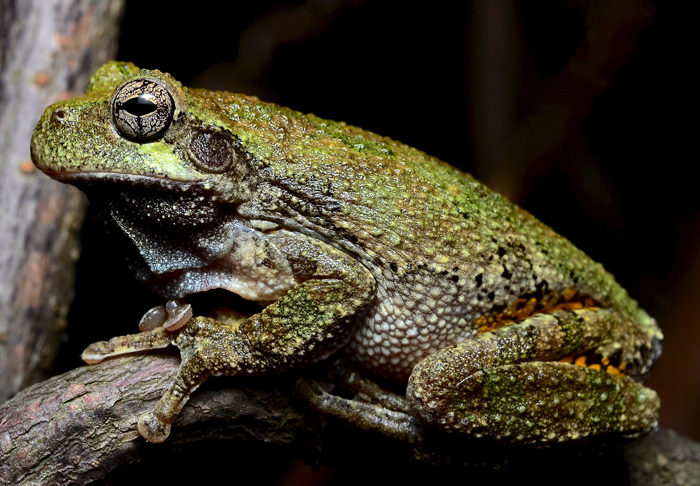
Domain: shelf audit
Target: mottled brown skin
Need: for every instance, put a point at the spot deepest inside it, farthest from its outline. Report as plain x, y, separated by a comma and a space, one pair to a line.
502, 328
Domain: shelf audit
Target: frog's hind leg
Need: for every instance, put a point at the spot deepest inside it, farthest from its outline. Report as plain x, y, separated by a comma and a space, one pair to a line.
341, 371
373, 408
552, 377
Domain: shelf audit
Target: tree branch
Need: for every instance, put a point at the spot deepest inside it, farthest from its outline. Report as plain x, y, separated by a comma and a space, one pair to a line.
80, 427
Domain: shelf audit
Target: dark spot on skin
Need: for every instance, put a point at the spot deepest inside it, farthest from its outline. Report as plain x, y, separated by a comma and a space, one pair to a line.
394, 267
531, 333
455, 269
59, 114
335, 206
520, 247
353, 238
465, 215
455, 278
501, 252
479, 279
506, 274
491, 296
444, 273
497, 309
490, 258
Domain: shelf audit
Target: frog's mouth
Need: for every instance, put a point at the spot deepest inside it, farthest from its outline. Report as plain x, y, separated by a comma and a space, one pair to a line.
88, 179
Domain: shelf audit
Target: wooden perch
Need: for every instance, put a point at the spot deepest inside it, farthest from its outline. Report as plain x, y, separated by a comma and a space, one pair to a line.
80, 427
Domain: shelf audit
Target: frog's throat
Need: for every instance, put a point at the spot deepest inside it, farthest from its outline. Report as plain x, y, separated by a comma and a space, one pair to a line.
150, 182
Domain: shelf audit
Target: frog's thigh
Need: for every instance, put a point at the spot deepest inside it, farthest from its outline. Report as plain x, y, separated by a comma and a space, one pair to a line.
507, 384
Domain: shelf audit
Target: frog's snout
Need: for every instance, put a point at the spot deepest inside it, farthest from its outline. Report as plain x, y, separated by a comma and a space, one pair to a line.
52, 136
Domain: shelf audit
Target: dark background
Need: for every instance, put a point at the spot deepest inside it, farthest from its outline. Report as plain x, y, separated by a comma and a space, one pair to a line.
578, 111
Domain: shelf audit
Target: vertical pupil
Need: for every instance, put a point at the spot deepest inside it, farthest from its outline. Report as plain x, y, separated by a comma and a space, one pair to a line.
140, 105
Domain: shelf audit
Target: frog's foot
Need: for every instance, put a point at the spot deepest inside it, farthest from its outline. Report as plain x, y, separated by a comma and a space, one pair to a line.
199, 342
154, 426
203, 354
133, 343
373, 407
172, 316
550, 378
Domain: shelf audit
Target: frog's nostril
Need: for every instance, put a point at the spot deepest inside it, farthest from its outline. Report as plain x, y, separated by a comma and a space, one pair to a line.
59, 114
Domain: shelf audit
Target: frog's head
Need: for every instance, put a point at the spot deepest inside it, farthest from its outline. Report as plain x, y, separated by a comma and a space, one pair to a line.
140, 128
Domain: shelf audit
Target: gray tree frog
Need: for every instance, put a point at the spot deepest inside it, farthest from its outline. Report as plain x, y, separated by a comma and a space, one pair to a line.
352, 242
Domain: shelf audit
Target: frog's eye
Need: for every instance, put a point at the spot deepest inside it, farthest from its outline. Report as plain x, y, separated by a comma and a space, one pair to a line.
142, 110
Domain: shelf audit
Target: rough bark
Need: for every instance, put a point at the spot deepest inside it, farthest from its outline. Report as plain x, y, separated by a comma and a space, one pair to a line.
80, 428
48, 50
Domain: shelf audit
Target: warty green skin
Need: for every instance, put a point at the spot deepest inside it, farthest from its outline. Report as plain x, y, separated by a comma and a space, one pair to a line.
361, 243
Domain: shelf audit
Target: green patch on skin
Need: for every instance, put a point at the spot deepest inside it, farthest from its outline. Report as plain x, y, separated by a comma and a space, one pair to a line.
608, 404
573, 327
507, 404
109, 75
160, 159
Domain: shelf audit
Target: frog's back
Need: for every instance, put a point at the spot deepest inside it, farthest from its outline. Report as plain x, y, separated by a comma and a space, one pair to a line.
452, 258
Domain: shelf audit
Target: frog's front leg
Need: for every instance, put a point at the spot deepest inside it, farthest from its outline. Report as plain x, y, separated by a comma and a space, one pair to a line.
551, 377
315, 318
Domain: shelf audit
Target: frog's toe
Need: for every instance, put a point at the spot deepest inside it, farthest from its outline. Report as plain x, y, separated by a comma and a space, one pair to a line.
152, 429
179, 314
153, 318
155, 339
172, 316
96, 352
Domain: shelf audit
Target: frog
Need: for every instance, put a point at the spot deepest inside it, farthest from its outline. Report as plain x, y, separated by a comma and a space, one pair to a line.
353, 245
